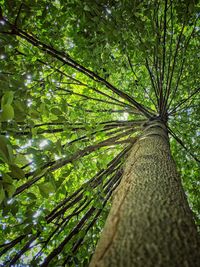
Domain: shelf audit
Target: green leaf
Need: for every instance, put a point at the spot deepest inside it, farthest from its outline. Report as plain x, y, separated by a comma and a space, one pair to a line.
20, 110
20, 159
46, 188
16, 172
34, 114
2, 193
7, 98
27, 229
31, 196
7, 178
34, 131
56, 111
10, 189
10, 152
5, 149
14, 208
7, 113
39, 172
86, 8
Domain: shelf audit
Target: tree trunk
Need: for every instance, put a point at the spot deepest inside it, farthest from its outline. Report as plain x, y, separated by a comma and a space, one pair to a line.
150, 222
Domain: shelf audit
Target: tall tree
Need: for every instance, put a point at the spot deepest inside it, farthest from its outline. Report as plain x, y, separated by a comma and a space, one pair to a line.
96, 97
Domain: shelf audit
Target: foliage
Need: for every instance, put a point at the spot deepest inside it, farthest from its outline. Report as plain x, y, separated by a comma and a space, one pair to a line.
78, 81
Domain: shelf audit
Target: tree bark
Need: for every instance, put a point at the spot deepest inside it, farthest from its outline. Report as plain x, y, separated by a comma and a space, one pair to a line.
150, 222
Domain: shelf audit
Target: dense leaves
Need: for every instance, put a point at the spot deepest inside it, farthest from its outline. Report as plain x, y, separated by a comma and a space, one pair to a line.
78, 82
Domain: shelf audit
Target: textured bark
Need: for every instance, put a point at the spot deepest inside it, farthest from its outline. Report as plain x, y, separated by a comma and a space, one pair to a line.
150, 222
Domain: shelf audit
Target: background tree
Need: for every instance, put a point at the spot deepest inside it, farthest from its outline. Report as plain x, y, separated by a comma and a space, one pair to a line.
79, 81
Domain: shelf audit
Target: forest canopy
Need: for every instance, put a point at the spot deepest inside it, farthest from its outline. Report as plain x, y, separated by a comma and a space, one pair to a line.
78, 82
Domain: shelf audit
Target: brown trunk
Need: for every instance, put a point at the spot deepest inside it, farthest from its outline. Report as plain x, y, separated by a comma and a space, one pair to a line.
150, 223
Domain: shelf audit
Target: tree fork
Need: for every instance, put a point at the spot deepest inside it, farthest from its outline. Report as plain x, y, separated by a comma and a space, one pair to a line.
150, 222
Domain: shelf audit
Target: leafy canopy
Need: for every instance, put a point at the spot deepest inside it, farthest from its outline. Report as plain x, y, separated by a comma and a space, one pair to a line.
78, 82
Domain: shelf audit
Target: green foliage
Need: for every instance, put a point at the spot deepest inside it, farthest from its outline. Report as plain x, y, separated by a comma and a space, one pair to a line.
78, 80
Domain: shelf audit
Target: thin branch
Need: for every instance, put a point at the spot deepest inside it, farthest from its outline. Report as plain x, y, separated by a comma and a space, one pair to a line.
91, 224
61, 246
134, 73
182, 66
88, 97
76, 230
8, 246
182, 144
166, 95
76, 81
54, 165
18, 14
157, 57
106, 128
152, 79
162, 70
169, 82
23, 250
110, 166
174, 110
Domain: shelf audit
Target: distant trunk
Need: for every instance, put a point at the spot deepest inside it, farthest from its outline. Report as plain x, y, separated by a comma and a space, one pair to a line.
150, 222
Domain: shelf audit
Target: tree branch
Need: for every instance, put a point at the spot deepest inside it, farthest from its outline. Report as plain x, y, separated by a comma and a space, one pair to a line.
182, 144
